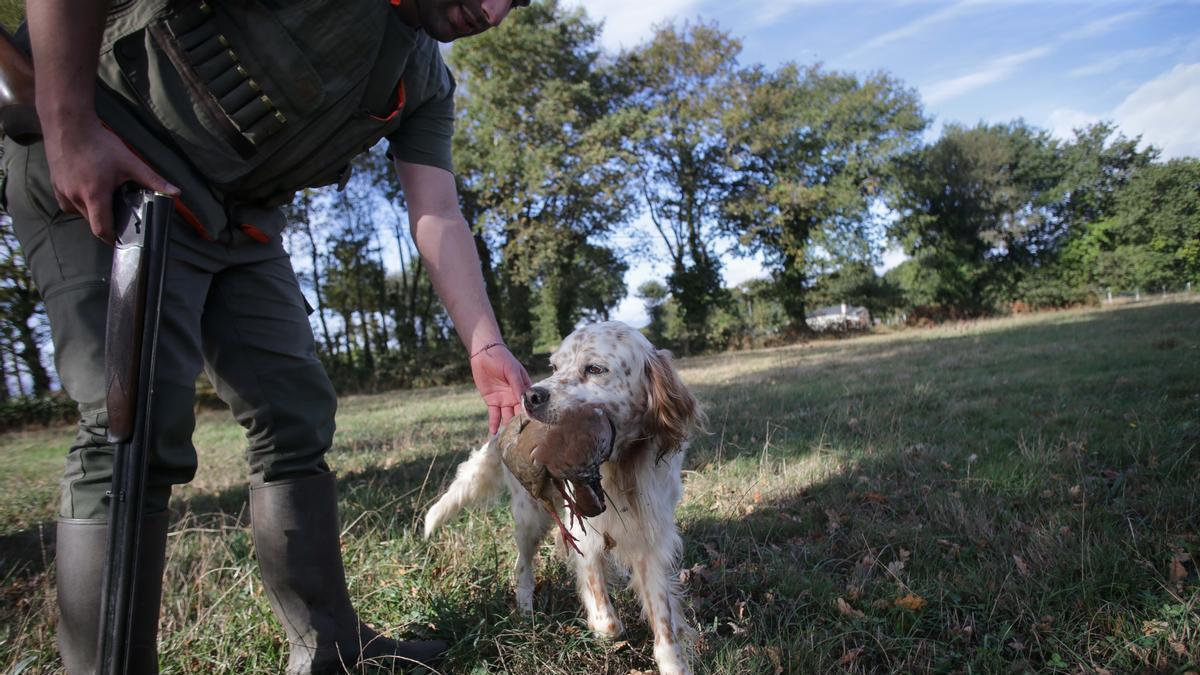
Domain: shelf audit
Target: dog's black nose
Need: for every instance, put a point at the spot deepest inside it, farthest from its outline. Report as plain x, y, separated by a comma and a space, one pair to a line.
536, 397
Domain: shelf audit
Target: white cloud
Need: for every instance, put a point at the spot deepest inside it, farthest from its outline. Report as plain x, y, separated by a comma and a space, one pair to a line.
999, 69
1164, 109
1120, 59
1101, 26
892, 258
1064, 121
913, 27
628, 22
1161, 111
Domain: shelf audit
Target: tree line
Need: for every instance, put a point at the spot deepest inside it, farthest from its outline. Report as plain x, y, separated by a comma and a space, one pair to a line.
560, 147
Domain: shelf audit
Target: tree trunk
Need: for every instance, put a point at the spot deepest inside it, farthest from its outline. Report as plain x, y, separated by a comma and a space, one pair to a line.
315, 258
792, 291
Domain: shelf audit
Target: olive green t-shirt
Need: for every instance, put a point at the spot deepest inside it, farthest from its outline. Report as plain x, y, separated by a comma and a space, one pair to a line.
427, 118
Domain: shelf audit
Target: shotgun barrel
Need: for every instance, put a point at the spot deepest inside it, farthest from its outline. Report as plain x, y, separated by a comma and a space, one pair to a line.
130, 353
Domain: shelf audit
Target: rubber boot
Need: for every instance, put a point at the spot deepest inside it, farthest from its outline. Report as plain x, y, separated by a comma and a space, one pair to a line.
79, 559
296, 532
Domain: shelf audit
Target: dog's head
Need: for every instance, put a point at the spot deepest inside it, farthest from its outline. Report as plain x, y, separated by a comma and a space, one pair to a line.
614, 367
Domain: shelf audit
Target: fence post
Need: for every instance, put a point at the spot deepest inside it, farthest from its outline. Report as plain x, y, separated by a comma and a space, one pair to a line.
1110, 296
1137, 294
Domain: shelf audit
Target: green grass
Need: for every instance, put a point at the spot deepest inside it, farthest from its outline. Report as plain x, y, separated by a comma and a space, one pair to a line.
1009, 495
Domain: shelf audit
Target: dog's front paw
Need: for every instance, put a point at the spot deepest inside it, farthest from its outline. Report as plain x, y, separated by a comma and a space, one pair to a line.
606, 627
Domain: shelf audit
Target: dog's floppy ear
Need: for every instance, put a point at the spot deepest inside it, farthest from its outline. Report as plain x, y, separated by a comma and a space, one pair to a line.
673, 411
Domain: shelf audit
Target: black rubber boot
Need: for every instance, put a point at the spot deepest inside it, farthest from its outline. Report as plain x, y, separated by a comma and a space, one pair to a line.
79, 560
296, 538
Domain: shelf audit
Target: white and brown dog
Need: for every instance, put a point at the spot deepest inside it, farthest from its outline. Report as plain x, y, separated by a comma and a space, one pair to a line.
612, 367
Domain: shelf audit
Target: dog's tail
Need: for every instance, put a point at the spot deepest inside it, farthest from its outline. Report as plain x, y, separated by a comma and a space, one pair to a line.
478, 479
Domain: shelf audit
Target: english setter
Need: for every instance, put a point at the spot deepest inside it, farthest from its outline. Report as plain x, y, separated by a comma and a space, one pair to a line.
615, 368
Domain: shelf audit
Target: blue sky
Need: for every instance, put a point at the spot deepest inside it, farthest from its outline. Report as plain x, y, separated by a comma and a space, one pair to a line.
1057, 65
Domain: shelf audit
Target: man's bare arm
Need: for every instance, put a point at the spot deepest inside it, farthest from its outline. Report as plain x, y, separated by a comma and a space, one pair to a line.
448, 249
87, 162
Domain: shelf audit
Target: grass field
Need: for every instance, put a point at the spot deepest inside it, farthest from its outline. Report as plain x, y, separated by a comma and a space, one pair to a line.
1004, 496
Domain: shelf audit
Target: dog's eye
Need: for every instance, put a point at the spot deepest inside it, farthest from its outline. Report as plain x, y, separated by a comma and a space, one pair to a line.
593, 369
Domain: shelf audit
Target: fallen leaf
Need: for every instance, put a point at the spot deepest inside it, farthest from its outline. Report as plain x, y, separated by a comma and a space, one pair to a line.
844, 608
849, 656
1178, 571
1154, 627
911, 602
776, 657
834, 521
618, 646
875, 497
1021, 566
1179, 648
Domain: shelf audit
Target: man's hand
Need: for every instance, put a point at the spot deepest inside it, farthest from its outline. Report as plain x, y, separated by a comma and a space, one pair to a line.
501, 380
87, 164
448, 249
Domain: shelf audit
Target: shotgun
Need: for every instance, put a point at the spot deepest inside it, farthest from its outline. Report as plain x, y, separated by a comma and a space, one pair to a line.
130, 350
18, 118
141, 218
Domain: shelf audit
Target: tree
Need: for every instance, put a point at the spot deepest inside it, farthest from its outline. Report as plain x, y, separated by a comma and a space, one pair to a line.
975, 209
22, 318
1152, 237
856, 283
1097, 163
814, 151
303, 228
654, 296
543, 166
683, 79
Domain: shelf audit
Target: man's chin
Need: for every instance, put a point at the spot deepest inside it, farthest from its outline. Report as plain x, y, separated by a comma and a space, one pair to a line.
444, 33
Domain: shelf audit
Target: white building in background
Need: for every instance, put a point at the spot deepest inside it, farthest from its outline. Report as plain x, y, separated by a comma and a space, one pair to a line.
839, 318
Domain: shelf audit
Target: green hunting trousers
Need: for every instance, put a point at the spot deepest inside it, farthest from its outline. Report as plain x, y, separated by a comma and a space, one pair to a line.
231, 306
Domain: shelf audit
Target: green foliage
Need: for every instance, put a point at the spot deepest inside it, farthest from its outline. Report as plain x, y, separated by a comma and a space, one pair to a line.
542, 154
654, 295
1151, 237
12, 13
752, 316
857, 284
974, 208
28, 411
814, 151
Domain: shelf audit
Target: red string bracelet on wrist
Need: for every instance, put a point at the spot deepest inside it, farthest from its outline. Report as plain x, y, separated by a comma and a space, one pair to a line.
487, 347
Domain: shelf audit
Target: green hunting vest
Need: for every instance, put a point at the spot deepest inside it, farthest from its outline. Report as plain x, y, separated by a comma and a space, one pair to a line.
243, 102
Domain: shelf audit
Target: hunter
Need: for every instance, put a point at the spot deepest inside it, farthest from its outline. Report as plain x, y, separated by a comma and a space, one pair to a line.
232, 106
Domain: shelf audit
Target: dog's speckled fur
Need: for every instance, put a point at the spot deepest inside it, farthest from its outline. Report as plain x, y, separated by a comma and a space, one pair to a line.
614, 367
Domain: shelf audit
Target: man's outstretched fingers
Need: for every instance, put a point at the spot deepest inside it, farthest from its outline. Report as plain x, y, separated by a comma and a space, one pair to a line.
493, 419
